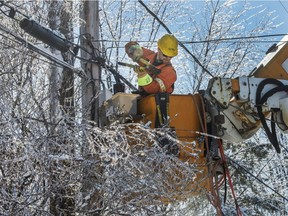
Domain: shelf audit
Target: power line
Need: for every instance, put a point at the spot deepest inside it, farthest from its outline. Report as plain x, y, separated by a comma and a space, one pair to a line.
12, 11
47, 36
35, 57
41, 32
235, 164
200, 41
225, 40
42, 52
236, 38
283, 6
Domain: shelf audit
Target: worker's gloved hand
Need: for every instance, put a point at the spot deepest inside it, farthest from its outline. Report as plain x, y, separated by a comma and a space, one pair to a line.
134, 51
153, 69
144, 78
140, 71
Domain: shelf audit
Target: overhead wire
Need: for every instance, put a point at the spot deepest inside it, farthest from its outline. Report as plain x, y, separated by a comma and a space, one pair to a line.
223, 40
56, 35
17, 49
181, 43
236, 38
97, 59
12, 11
283, 6
270, 159
31, 46
236, 164
13, 8
40, 51
94, 59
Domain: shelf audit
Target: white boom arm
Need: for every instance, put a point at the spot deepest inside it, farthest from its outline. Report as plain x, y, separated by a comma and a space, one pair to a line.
239, 107
245, 103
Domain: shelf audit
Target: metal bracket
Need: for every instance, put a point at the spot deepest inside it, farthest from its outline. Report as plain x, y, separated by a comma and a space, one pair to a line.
221, 91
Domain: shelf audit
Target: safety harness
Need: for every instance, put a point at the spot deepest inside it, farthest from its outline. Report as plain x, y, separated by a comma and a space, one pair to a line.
162, 106
162, 122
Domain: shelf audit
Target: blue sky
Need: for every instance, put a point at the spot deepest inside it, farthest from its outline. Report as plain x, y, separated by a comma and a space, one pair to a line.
279, 7
281, 10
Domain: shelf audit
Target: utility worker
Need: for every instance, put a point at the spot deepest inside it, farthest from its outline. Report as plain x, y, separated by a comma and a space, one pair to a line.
150, 82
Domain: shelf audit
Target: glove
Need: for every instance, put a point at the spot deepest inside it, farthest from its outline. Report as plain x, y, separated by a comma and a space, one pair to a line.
134, 51
153, 69
139, 70
144, 78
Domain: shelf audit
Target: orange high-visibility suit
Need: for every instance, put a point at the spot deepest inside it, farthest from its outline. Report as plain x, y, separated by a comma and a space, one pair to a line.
163, 82
167, 77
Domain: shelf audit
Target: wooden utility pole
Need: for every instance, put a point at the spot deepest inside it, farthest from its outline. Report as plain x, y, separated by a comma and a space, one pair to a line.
89, 32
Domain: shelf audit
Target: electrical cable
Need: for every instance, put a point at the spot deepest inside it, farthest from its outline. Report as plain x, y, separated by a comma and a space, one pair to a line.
12, 11
270, 159
112, 70
27, 24
27, 21
141, 2
283, 7
223, 156
12, 8
234, 38
259, 101
35, 57
264, 98
42, 52
236, 165
97, 60
226, 40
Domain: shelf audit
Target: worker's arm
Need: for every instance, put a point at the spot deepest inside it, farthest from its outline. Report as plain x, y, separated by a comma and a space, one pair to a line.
163, 82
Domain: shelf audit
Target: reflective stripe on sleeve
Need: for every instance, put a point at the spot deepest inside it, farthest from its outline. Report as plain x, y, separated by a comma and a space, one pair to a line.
145, 80
161, 84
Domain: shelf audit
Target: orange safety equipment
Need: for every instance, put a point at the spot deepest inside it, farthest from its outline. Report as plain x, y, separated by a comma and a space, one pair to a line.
168, 45
162, 82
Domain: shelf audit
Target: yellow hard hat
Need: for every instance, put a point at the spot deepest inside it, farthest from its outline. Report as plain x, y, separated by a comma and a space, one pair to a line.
168, 45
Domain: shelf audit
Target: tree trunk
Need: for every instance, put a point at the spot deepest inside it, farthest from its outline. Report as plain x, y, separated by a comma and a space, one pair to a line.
62, 199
